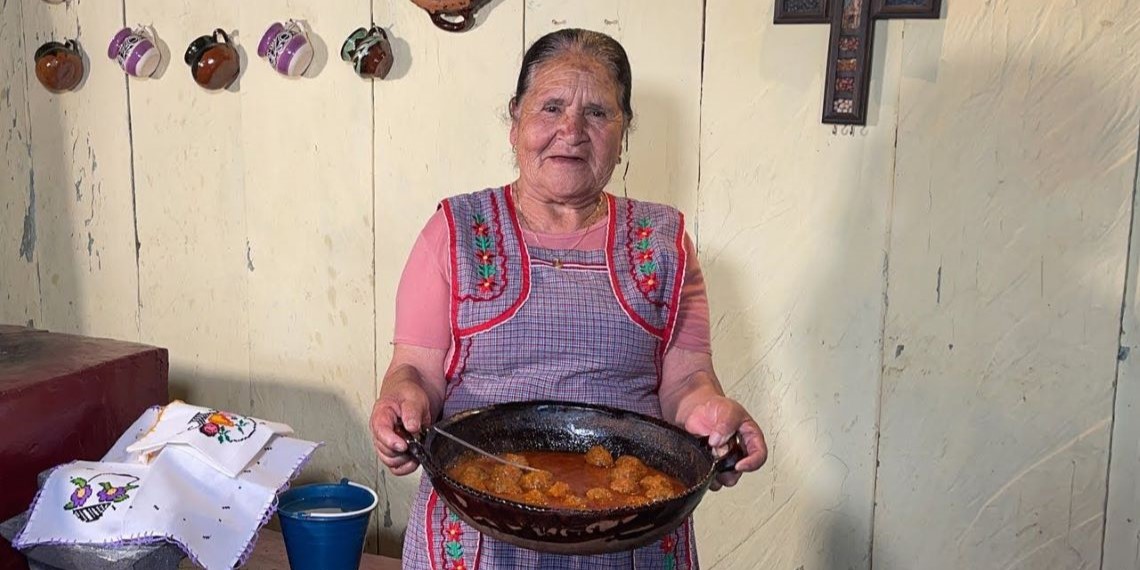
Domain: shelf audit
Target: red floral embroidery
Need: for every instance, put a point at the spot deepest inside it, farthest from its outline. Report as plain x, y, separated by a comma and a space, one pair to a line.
668, 543
645, 265
484, 252
452, 547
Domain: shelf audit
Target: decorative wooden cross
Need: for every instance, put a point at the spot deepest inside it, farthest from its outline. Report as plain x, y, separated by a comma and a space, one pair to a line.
849, 55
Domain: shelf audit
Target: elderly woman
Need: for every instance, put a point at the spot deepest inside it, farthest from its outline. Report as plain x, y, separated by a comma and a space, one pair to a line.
550, 288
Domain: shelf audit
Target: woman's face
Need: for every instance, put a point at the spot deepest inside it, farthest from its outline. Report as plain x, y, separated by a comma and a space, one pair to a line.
567, 129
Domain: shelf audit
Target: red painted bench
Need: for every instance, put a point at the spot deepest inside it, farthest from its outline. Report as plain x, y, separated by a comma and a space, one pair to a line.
65, 397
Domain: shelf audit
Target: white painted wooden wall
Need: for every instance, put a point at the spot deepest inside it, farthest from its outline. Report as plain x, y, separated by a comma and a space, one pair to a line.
932, 315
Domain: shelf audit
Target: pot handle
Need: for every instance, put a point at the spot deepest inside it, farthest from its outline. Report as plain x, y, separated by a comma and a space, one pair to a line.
416, 446
736, 452
465, 20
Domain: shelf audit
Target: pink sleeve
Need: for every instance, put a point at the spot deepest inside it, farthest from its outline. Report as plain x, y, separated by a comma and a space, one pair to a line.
424, 295
692, 331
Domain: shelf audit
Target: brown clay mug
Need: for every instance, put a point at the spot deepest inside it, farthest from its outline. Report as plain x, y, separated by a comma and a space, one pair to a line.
214, 63
450, 15
59, 66
369, 52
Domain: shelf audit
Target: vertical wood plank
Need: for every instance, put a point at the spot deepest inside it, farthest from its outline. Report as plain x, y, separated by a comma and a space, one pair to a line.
193, 265
1122, 525
306, 148
793, 227
440, 129
19, 276
664, 47
190, 205
81, 155
1015, 171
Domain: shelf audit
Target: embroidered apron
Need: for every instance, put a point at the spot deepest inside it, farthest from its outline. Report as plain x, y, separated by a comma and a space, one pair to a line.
593, 330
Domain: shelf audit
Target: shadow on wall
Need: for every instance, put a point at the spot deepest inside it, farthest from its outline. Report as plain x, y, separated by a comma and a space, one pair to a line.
315, 414
58, 194
794, 363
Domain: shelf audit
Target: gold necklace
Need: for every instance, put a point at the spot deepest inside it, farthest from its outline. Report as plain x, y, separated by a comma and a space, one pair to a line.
585, 225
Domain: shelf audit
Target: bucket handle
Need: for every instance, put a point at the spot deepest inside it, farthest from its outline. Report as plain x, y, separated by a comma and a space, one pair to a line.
345, 481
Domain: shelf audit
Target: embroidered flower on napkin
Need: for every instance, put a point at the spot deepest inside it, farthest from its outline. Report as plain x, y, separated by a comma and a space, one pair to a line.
225, 440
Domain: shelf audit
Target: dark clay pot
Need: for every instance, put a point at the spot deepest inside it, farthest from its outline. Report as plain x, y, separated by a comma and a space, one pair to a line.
369, 51
451, 15
213, 61
566, 426
59, 66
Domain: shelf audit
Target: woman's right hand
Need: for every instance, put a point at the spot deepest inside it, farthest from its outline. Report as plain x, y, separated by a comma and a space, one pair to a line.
412, 393
406, 401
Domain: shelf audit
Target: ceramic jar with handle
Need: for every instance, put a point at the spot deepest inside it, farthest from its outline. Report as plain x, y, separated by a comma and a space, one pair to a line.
213, 60
287, 47
369, 51
59, 66
135, 52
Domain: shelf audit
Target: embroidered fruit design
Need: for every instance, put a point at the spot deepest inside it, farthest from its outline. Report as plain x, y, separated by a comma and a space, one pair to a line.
80, 495
113, 488
113, 494
225, 427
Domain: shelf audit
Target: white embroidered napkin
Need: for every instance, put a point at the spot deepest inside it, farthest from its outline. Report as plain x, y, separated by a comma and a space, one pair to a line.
176, 497
118, 452
225, 440
84, 502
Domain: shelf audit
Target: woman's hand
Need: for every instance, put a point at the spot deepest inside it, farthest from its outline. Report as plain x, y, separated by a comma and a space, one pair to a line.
407, 402
720, 418
412, 394
691, 397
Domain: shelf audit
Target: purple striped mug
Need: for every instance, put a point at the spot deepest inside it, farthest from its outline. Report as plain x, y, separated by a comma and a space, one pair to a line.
135, 52
287, 48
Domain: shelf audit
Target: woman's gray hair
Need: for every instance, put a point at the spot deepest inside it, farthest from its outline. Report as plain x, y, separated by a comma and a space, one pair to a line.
595, 44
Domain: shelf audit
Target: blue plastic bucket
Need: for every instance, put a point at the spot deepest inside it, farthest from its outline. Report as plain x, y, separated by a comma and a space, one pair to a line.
324, 524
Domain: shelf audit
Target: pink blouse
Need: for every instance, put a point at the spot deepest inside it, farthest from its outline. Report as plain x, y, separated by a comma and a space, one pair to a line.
424, 293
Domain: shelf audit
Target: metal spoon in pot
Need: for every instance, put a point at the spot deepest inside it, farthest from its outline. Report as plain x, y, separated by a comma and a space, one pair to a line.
480, 451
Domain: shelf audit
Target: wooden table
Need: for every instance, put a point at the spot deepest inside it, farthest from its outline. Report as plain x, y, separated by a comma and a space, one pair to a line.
269, 554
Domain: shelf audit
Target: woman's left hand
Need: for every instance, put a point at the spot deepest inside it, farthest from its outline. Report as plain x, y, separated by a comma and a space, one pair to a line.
720, 418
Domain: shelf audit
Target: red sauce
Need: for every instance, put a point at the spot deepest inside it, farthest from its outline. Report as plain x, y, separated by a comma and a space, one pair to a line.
571, 481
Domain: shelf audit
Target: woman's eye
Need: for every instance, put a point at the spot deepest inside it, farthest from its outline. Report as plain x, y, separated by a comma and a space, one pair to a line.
596, 113
550, 108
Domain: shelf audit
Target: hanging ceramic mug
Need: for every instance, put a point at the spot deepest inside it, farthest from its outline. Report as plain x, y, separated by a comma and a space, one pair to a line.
59, 66
213, 61
369, 52
287, 48
450, 15
135, 52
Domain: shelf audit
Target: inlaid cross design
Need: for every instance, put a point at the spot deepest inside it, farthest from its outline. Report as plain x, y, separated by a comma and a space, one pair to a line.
849, 55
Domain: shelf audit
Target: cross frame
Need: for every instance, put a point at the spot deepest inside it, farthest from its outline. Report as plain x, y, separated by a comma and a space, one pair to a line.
849, 53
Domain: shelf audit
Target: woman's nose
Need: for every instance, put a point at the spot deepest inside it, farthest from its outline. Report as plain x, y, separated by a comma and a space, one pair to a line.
573, 126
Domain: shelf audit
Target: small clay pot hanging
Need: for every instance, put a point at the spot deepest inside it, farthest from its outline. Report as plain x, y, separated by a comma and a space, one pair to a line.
59, 66
369, 51
451, 15
213, 61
